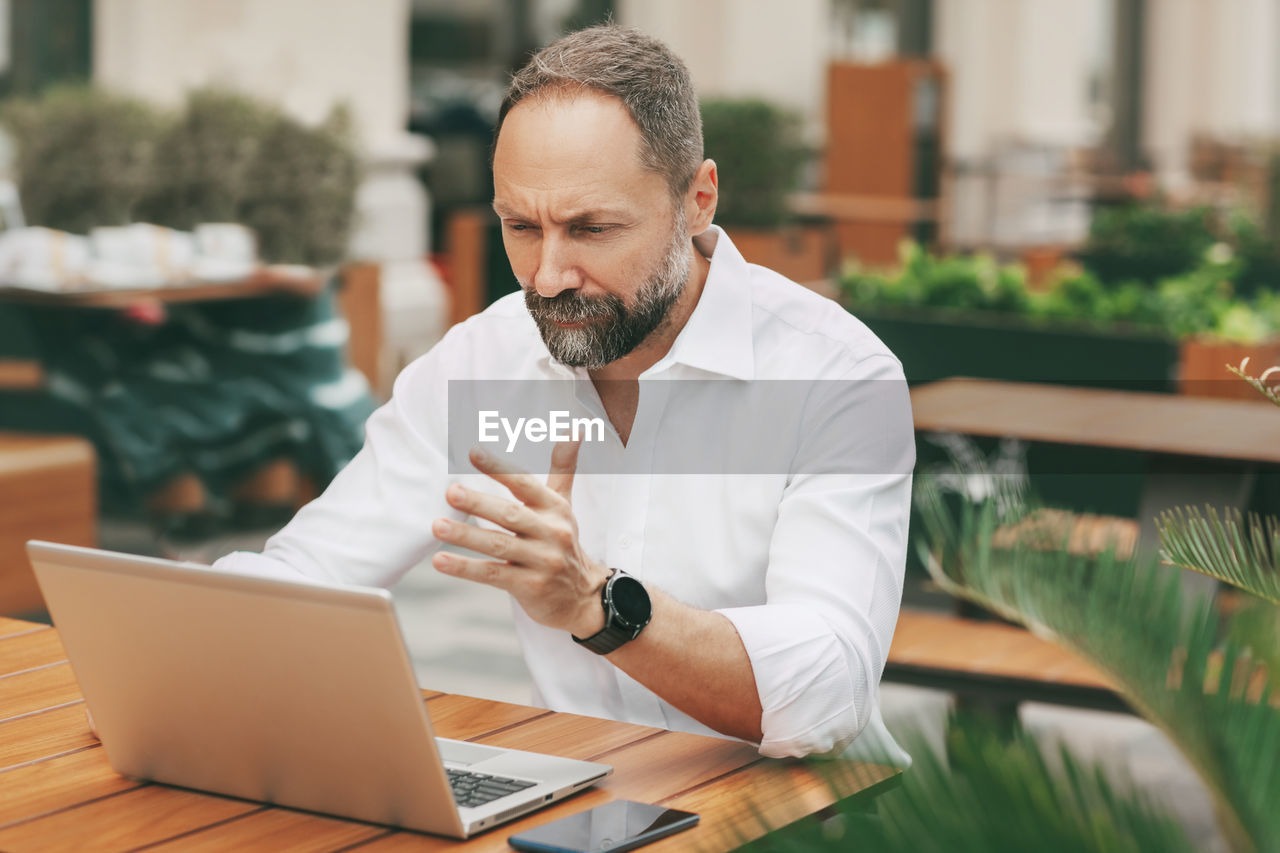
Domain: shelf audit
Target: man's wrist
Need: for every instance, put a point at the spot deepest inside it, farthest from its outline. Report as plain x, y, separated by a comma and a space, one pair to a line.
591, 618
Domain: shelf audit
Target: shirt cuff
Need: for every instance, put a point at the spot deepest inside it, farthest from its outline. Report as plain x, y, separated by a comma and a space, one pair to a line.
808, 693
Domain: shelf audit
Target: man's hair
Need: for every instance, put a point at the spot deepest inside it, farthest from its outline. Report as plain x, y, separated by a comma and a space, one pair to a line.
642, 72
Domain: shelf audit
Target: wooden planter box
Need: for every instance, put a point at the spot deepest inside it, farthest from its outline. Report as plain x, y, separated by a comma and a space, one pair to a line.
803, 253
934, 344
1202, 367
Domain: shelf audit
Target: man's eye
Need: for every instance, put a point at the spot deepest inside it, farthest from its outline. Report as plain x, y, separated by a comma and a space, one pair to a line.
593, 229
518, 227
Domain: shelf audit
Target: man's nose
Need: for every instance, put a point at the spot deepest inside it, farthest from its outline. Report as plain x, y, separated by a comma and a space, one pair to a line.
557, 270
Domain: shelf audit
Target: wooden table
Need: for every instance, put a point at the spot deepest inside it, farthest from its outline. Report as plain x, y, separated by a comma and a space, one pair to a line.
57, 791
1128, 420
266, 281
1205, 450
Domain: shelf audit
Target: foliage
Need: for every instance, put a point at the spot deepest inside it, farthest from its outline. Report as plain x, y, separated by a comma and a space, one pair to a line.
300, 196
1201, 301
1130, 621
88, 158
202, 164
975, 282
989, 794
1243, 553
84, 158
1145, 243
757, 148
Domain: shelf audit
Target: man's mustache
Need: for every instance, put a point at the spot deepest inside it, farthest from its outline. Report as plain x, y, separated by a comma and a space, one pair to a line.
569, 306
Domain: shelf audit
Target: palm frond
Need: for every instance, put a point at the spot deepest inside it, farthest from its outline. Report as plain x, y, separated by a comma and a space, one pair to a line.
1243, 553
1260, 382
989, 795
1130, 620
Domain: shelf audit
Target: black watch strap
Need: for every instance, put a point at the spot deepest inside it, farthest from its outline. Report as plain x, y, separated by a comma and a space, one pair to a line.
607, 640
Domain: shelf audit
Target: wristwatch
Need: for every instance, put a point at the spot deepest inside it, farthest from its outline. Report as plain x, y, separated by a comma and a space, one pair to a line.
627, 609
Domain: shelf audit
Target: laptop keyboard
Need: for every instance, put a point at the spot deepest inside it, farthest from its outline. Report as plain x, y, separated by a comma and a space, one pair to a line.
476, 789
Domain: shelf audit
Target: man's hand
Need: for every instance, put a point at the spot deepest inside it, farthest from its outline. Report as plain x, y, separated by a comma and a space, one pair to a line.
539, 561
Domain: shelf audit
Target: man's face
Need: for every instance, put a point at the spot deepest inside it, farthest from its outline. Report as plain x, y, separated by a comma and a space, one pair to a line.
595, 240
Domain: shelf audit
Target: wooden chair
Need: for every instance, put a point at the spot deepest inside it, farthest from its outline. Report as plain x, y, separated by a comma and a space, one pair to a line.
48, 490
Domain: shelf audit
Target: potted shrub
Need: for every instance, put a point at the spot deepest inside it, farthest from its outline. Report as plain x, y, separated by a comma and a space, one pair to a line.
757, 148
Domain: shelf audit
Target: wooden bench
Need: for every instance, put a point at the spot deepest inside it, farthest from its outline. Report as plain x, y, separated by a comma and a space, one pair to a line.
48, 490
1084, 534
992, 661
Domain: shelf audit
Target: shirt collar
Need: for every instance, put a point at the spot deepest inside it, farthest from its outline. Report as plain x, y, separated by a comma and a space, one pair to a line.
717, 337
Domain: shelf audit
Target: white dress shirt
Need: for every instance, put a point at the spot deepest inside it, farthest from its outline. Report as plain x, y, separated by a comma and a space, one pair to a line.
807, 566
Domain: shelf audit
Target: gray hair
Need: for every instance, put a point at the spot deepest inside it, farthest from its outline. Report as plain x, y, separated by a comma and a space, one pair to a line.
642, 72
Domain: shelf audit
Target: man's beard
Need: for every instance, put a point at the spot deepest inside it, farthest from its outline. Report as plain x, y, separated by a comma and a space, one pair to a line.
610, 329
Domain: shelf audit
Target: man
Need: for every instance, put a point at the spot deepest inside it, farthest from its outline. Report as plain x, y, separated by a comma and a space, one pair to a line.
760, 607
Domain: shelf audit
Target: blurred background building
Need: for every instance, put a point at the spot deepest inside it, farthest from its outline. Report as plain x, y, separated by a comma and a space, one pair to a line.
1033, 111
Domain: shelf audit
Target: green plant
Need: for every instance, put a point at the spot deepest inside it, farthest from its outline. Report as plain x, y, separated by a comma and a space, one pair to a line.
757, 148
990, 793
1199, 302
202, 164
1176, 662
300, 190
88, 158
958, 282
84, 157
1145, 242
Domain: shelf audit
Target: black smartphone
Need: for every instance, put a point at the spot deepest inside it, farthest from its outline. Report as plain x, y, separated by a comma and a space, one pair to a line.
615, 826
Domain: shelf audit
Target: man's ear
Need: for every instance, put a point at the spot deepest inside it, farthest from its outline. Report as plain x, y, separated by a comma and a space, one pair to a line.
700, 200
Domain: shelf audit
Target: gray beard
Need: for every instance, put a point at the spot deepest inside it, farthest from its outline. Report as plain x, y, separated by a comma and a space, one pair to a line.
612, 329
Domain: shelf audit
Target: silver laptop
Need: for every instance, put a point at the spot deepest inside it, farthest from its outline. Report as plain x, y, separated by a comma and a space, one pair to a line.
291, 693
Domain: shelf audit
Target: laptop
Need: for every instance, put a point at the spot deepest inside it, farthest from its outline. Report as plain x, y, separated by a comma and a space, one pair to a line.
293, 693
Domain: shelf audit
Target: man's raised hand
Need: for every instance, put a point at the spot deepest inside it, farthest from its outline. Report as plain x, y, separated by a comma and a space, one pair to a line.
538, 559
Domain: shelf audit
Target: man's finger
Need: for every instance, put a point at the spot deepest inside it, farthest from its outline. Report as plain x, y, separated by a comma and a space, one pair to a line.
488, 572
494, 543
564, 464
528, 489
509, 514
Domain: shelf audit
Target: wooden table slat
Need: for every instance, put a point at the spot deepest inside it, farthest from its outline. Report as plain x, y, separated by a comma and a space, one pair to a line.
59, 783
30, 650
37, 689
735, 810
1156, 423
645, 771
278, 830
45, 734
465, 718
10, 627
994, 648
573, 736
133, 818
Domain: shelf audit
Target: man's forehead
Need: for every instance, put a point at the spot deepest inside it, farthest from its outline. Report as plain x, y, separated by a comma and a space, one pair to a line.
581, 125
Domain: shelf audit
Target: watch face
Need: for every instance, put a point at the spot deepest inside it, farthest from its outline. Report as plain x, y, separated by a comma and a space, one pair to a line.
631, 601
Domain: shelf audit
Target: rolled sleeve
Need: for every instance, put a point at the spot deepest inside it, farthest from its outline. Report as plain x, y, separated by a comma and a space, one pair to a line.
803, 677
833, 584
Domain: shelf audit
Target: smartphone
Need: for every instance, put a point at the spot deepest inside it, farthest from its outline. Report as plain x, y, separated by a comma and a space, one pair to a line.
615, 826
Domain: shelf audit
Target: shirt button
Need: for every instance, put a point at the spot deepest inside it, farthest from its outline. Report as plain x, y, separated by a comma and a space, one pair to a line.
625, 541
